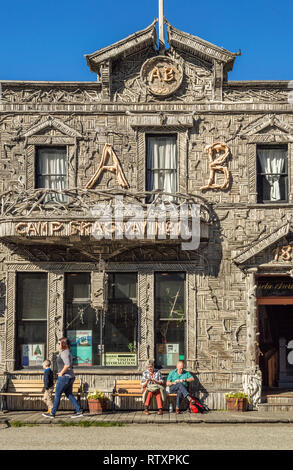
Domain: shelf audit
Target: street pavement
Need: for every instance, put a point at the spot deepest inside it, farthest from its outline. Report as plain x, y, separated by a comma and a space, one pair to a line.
150, 437
215, 430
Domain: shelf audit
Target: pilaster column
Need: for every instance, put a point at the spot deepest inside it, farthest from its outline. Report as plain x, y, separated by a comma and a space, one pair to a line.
145, 317
55, 311
252, 378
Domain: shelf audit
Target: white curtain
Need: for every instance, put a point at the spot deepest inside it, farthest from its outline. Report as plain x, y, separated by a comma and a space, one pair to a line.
52, 170
272, 163
162, 163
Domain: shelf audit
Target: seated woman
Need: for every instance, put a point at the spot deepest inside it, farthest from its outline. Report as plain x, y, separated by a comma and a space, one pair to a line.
152, 385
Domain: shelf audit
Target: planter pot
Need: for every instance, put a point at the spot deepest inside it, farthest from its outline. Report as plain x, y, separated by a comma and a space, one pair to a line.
237, 404
96, 407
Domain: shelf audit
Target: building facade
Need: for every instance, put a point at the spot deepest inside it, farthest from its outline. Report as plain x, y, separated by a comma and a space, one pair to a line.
157, 127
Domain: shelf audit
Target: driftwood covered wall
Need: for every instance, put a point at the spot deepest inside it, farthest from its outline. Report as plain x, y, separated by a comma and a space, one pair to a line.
119, 110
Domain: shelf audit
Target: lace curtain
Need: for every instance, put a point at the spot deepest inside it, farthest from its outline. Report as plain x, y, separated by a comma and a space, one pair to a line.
162, 164
51, 171
272, 163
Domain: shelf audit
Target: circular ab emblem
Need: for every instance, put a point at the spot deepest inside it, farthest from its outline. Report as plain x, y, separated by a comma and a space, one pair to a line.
162, 75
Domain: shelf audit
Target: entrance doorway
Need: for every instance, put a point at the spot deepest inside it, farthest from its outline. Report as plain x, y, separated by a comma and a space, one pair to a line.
275, 328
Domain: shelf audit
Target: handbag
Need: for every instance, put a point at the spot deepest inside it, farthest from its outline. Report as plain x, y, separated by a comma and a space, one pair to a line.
152, 387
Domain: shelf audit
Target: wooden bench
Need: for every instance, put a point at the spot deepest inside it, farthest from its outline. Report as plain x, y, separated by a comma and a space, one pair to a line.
31, 388
130, 388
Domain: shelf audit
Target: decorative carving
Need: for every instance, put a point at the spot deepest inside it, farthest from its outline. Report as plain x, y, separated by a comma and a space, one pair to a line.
262, 244
162, 75
265, 122
52, 123
38, 94
108, 152
217, 165
254, 94
252, 382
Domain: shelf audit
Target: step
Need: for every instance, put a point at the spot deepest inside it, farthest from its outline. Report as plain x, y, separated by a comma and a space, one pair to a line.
274, 408
280, 399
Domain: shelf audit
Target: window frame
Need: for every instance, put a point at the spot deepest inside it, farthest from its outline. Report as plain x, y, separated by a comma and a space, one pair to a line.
37, 175
164, 319
260, 175
149, 171
20, 321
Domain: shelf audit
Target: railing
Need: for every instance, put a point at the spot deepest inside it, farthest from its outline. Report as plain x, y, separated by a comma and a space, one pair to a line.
51, 203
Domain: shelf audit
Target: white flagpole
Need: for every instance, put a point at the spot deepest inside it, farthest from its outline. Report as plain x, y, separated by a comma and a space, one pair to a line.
161, 25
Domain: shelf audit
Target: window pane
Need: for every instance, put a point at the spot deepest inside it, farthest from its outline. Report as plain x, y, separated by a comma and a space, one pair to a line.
77, 286
34, 305
120, 331
82, 322
32, 319
82, 328
169, 295
51, 171
122, 286
169, 318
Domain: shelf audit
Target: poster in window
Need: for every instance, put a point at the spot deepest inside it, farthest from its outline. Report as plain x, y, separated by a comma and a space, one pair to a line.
33, 355
172, 348
81, 342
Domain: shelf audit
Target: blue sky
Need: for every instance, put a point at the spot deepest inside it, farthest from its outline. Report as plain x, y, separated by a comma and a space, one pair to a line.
47, 40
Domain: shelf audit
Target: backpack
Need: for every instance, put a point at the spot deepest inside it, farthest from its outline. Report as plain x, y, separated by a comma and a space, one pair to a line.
196, 407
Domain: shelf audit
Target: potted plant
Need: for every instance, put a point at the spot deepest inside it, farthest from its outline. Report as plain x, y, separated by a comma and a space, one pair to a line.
97, 402
237, 401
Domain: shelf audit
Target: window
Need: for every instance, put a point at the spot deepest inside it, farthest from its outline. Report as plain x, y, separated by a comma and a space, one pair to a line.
31, 319
169, 318
162, 163
272, 174
82, 322
51, 170
98, 339
120, 331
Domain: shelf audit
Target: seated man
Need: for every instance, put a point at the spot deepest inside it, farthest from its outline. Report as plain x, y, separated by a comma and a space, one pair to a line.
178, 380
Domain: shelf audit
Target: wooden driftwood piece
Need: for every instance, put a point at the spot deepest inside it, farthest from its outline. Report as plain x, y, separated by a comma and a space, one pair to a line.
108, 152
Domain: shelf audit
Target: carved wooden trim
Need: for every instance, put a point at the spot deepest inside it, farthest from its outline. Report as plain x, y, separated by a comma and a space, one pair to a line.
191, 320
251, 320
30, 167
262, 244
252, 166
153, 266
55, 319
264, 122
52, 123
290, 172
49, 266
11, 321
146, 317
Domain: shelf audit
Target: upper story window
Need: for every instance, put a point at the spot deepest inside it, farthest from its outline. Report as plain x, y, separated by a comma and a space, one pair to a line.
272, 173
161, 163
51, 169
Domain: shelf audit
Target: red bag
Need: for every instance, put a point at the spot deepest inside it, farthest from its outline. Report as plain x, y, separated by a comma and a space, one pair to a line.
195, 406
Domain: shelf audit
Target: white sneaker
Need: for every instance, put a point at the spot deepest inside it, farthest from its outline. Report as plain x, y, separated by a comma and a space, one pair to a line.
48, 415
77, 415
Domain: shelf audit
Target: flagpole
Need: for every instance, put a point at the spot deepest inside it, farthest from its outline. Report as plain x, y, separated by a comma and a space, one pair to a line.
161, 26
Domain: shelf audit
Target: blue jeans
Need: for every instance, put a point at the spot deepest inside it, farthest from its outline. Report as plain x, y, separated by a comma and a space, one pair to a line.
64, 384
181, 391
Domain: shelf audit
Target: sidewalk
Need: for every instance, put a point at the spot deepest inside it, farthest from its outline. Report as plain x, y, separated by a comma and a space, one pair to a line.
138, 417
